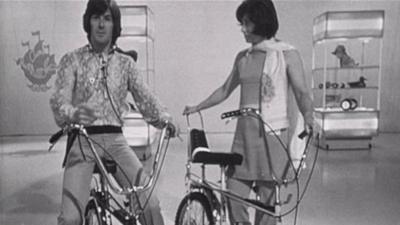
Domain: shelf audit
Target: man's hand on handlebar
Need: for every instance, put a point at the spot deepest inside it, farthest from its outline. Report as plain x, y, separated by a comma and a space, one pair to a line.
172, 129
84, 115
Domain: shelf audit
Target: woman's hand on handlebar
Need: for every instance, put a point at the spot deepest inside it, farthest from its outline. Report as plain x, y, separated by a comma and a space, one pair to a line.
189, 110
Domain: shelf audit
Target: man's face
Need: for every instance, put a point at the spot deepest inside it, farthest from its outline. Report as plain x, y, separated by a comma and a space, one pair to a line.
101, 28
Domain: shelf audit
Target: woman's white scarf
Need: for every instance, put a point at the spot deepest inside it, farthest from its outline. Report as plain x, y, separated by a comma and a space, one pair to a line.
275, 92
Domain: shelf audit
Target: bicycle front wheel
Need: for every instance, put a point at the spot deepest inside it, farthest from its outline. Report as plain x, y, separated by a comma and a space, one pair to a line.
194, 209
94, 216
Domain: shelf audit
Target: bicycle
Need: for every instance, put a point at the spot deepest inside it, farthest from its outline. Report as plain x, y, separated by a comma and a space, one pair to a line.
103, 205
206, 202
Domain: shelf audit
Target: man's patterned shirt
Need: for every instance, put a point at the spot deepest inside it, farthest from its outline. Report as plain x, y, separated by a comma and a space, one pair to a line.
83, 78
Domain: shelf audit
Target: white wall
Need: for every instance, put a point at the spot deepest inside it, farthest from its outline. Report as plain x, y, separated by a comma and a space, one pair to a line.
24, 111
196, 42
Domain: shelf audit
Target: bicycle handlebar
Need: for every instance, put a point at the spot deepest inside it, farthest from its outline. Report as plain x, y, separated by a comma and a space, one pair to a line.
247, 111
67, 128
239, 112
81, 129
55, 137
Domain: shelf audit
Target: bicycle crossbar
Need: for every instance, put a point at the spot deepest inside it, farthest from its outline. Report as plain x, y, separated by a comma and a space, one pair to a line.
267, 209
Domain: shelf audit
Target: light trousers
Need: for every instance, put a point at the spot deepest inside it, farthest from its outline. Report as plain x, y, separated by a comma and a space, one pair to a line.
78, 175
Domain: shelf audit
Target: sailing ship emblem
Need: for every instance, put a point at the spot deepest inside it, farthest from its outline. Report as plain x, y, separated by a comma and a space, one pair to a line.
37, 64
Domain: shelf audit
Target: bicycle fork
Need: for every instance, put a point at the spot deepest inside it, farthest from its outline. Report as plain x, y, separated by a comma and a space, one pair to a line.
278, 204
222, 213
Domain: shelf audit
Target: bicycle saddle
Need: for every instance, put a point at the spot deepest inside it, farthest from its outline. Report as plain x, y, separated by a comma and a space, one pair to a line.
217, 158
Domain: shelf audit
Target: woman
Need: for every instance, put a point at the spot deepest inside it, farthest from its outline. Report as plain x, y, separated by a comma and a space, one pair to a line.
263, 72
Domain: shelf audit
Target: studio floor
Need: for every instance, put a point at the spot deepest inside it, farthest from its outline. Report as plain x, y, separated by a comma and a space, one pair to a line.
348, 187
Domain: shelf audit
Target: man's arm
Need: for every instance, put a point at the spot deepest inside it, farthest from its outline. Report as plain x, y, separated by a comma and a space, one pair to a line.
147, 103
60, 101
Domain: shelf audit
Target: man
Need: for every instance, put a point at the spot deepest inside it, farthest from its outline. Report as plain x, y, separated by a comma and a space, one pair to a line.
91, 87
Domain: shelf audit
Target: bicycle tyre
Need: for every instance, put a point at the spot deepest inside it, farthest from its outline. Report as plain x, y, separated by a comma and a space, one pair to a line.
199, 204
94, 216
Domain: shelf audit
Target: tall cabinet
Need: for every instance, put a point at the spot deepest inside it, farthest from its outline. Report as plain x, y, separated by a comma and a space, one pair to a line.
346, 77
137, 22
138, 26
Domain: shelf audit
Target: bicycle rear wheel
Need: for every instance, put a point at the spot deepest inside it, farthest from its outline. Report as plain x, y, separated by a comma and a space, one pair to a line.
94, 214
194, 209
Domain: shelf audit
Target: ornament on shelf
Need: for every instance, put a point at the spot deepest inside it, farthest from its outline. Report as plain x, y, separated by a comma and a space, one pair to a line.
344, 59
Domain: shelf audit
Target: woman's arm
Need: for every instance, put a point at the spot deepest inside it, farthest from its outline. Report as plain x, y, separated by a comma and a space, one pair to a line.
298, 82
218, 96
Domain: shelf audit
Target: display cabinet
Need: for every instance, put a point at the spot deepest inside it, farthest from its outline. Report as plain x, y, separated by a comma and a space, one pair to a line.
137, 22
346, 77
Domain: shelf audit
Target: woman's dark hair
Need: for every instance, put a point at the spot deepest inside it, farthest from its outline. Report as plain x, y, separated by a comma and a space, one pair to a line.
262, 13
98, 7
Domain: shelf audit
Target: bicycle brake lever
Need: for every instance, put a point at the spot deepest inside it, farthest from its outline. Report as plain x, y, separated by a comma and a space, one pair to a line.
179, 137
229, 120
51, 147
289, 197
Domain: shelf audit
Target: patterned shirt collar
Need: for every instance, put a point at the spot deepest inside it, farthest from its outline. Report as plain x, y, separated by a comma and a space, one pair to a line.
89, 48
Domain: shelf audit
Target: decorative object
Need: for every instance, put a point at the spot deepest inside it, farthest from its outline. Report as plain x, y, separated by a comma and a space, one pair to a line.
348, 104
358, 84
38, 64
344, 59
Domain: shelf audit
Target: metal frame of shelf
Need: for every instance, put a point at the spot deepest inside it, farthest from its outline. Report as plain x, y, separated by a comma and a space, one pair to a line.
342, 129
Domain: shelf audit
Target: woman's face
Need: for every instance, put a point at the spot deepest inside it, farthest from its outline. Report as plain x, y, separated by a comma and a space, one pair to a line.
247, 28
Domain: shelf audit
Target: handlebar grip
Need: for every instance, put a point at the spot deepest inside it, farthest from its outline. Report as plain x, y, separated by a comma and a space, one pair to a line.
231, 114
238, 112
55, 137
303, 134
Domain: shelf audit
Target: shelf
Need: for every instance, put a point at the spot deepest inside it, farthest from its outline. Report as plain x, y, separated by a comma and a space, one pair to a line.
349, 68
340, 110
358, 123
352, 30
347, 88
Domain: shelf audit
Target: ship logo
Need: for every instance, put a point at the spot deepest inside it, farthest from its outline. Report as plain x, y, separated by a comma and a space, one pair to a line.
37, 64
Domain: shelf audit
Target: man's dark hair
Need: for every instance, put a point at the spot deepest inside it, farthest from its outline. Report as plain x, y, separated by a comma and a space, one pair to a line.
262, 13
98, 7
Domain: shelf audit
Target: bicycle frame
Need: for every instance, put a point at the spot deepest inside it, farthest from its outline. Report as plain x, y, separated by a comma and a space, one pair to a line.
102, 194
200, 183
